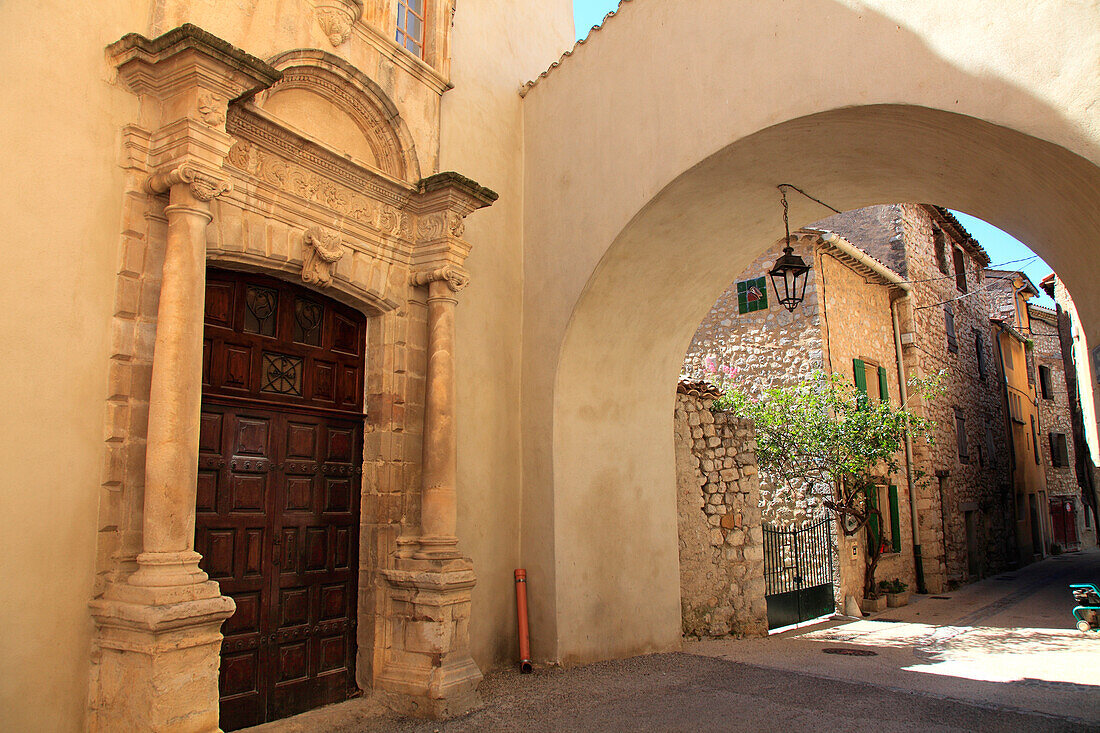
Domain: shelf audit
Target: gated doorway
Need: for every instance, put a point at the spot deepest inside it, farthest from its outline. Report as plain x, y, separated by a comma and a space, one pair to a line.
277, 510
798, 573
1063, 517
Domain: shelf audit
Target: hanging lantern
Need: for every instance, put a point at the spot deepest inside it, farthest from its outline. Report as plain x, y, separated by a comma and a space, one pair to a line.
791, 272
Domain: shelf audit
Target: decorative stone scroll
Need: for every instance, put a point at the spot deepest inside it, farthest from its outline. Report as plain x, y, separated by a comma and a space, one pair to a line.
204, 185
337, 18
320, 252
455, 278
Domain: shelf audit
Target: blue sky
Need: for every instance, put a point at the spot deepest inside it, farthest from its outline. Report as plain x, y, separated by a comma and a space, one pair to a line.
1000, 246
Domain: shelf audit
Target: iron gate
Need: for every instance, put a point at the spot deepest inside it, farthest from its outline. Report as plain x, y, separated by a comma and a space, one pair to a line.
798, 573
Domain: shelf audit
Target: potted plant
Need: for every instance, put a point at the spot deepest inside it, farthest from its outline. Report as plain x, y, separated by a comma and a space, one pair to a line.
896, 592
873, 605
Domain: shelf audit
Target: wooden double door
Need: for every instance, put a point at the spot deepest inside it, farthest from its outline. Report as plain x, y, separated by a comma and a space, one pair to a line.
277, 508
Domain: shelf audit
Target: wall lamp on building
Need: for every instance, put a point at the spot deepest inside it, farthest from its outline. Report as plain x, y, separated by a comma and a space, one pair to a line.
790, 272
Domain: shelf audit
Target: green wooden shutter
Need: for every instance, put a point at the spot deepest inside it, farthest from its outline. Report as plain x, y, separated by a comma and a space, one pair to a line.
859, 369
872, 519
883, 388
895, 519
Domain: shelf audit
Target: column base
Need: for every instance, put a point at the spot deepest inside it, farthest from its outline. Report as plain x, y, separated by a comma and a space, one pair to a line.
427, 670
158, 656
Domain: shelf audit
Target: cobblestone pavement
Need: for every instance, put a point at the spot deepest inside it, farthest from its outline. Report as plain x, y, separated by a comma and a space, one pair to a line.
997, 655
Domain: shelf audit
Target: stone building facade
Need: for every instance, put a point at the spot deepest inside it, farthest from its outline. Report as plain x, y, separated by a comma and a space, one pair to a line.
718, 518
844, 325
934, 280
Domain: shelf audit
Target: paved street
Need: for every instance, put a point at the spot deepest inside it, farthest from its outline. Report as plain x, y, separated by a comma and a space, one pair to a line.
997, 655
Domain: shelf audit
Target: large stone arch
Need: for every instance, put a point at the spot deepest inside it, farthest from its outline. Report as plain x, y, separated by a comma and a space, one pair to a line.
632, 230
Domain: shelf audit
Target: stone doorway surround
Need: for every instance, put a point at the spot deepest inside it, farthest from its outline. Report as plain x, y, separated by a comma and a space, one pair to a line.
214, 179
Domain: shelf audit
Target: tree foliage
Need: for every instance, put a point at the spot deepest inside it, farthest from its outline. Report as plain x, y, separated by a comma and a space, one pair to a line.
826, 434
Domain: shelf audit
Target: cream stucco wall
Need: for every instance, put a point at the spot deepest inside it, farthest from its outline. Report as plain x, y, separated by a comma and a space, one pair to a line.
497, 46
60, 182
650, 180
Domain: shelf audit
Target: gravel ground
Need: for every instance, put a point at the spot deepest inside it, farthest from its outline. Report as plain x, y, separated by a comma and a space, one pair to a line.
684, 692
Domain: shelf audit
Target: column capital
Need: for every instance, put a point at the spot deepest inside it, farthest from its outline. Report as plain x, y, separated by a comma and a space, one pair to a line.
441, 205
204, 184
456, 278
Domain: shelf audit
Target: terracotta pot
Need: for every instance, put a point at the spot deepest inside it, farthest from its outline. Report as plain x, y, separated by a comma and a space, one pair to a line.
893, 600
873, 605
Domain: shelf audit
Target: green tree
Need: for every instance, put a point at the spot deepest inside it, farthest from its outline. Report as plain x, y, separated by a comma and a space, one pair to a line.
826, 434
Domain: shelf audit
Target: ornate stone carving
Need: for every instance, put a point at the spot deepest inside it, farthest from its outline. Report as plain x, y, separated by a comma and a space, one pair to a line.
335, 23
204, 185
455, 278
300, 181
435, 225
321, 251
212, 109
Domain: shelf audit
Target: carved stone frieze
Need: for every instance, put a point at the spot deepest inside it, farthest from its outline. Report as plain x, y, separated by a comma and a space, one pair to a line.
455, 278
212, 109
438, 224
321, 251
203, 184
295, 179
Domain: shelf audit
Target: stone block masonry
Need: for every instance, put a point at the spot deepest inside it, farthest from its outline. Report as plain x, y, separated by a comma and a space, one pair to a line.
718, 519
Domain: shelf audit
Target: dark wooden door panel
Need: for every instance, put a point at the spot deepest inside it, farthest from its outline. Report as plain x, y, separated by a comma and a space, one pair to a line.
277, 507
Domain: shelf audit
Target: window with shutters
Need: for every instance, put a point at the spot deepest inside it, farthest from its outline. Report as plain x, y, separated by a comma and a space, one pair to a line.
752, 295
960, 437
1059, 450
885, 499
1045, 385
960, 270
1015, 408
949, 326
410, 26
979, 347
871, 380
941, 249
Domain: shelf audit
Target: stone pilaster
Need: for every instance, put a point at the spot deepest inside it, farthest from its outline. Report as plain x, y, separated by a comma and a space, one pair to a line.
426, 666
158, 633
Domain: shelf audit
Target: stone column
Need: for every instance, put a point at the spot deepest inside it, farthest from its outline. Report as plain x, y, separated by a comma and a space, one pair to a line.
158, 631
438, 501
426, 664
171, 466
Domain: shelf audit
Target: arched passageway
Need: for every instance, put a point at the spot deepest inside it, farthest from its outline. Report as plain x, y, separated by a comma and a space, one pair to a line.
667, 186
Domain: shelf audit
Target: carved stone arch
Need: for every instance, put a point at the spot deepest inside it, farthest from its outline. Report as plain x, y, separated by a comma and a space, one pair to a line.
356, 95
358, 293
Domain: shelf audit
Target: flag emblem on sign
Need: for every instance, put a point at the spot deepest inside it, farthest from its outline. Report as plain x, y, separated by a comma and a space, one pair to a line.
753, 294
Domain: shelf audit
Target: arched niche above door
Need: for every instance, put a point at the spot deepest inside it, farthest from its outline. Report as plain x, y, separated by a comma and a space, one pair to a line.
328, 100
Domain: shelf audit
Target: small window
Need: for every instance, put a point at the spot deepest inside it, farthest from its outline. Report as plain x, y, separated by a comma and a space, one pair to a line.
941, 249
1015, 408
979, 347
1035, 440
1045, 385
410, 26
885, 499
960, 437
949, 326
752, 295
960, 270
1059, 450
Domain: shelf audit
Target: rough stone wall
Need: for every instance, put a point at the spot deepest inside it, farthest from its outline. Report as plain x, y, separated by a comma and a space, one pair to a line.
769, 347
950, 485
721, 541
1054, 413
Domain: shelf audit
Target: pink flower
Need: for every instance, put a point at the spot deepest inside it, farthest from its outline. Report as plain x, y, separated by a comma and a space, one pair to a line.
710, 363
